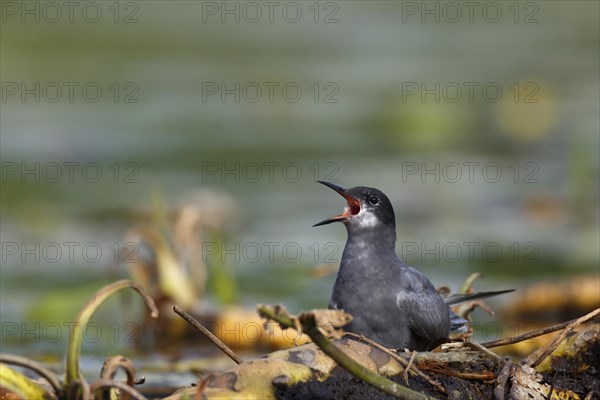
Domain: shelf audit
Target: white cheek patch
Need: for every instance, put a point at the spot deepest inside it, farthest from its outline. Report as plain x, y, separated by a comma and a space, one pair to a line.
366, 220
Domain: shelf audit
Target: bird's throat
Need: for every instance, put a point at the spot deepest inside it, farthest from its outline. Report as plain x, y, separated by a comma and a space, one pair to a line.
369, 249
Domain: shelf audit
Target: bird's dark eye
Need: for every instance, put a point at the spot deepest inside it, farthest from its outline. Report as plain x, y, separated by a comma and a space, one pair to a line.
374, 200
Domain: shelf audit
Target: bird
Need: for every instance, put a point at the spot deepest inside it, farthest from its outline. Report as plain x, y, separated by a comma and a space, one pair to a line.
391, 302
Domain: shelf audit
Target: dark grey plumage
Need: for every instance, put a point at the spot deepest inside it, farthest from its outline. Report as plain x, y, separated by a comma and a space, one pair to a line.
391, 302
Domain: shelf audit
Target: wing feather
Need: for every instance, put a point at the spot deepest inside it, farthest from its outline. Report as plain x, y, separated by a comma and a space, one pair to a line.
428, 314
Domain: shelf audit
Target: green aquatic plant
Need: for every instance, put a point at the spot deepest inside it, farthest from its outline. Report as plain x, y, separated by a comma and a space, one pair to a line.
74, 386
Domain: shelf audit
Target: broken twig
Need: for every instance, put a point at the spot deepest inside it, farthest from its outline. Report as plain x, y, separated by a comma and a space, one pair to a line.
528, 335
193, 322
410, 364
538, 356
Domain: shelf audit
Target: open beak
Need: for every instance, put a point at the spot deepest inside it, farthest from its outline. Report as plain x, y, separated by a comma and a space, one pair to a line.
351, 209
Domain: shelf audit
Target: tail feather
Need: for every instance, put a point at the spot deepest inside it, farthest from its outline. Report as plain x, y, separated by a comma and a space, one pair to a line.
455, 299
457, 323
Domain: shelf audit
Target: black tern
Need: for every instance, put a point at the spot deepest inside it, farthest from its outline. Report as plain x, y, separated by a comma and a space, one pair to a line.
391, 302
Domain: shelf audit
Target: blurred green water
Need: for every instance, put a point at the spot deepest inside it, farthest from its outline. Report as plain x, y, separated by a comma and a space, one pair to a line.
375, 134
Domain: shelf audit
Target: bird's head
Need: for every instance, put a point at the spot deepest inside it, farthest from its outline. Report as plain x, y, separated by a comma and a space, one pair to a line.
366, 208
